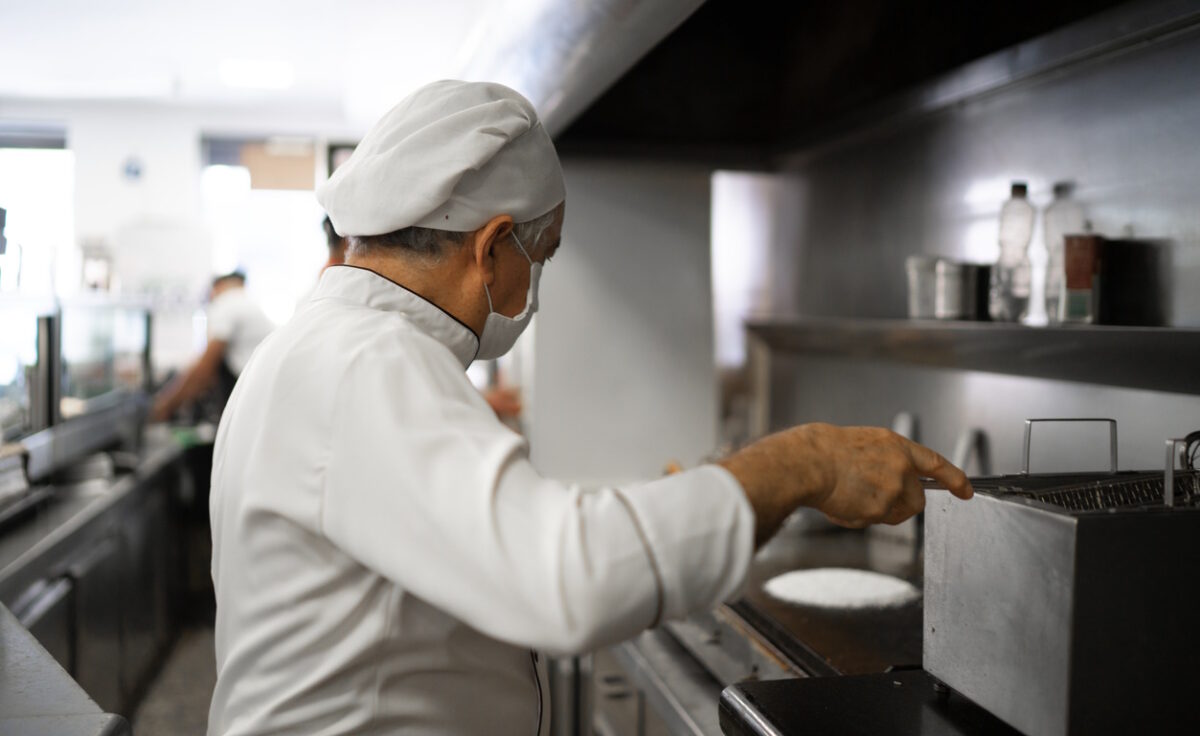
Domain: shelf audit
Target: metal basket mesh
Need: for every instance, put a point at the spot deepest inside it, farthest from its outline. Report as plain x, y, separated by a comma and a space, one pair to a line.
1100, 494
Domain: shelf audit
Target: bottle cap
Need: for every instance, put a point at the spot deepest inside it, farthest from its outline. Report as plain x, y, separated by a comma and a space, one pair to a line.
1020, 189
1063, 189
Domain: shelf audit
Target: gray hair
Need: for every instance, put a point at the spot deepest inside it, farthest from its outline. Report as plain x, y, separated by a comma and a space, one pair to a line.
432, 244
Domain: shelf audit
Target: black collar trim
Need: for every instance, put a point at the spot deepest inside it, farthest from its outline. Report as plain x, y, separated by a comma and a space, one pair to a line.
419, 296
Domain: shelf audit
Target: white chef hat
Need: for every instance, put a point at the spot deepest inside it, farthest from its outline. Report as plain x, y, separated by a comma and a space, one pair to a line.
450, 156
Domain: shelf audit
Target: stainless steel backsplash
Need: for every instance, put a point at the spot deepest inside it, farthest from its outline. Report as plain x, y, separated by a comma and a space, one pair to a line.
1125, 129
947, 403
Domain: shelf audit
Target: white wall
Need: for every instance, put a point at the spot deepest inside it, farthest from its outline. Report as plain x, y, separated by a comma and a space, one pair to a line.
753, 215
154, 225
168, 149
163, 205
624, 378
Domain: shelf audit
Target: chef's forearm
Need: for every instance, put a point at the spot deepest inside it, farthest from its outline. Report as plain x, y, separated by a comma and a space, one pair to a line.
199, 377
184, 391
855, 475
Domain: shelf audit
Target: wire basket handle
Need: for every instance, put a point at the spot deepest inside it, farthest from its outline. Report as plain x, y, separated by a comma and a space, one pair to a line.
1112, 439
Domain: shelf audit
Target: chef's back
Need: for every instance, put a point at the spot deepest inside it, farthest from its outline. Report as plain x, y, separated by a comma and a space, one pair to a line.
311, 638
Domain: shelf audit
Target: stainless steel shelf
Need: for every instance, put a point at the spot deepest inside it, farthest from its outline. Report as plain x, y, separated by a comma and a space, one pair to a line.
1156, 358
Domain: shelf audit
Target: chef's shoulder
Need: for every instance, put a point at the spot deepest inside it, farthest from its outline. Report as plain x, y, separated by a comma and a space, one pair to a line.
388, 348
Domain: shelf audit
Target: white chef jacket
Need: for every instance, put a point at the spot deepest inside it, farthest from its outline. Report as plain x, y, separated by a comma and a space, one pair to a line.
234, 318
385, 556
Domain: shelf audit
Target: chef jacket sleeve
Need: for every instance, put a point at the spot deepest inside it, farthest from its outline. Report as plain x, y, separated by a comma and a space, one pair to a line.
427, 488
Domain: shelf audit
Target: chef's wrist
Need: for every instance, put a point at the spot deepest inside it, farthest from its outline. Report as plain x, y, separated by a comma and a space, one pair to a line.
781, 472
814, 459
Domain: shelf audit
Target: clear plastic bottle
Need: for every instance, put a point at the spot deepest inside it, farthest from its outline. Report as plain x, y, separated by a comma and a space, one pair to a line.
1012, 277
1063, 217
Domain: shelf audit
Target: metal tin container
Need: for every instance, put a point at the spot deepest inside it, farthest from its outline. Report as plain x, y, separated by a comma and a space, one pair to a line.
942, 288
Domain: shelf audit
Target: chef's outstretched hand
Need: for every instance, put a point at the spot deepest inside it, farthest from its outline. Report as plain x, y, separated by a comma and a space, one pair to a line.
856, 475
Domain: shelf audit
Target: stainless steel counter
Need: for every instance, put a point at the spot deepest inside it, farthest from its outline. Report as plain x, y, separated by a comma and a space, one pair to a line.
680, 691
38, 697
90, 573
42, 535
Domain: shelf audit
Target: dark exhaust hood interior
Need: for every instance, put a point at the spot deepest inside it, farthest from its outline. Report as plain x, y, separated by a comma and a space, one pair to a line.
744, 82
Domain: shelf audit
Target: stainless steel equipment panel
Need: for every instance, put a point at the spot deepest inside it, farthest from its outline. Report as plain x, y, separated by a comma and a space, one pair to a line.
97, 579
145, 615
996, 623
46, 612
1065, 613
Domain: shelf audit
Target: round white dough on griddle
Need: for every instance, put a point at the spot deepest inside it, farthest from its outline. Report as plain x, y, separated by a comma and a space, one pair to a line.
835, 587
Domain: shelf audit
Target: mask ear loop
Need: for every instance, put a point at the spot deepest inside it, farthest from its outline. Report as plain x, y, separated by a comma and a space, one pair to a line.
521, 248
524, 253
489, 298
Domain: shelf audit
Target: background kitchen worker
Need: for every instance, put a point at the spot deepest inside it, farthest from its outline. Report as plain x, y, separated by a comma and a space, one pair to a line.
386, 558
236, 325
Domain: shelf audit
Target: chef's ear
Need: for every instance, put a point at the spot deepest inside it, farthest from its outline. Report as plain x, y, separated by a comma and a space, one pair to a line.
485, 241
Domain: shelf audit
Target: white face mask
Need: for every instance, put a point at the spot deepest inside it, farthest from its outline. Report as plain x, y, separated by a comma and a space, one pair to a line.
500, 333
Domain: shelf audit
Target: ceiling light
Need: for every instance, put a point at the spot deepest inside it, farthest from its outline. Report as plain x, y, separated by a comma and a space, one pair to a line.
257, 74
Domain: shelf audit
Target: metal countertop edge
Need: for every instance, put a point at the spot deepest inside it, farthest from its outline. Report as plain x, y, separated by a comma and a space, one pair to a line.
156, 459
676, 686
750, 722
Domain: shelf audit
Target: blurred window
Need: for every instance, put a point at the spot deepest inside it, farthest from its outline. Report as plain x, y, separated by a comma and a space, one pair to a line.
37, 189
259, 205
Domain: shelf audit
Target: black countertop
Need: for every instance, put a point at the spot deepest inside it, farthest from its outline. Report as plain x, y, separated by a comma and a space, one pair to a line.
830, 641
898, 703
864, 666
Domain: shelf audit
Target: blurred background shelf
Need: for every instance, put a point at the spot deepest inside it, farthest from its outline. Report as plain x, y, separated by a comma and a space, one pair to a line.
1162, 359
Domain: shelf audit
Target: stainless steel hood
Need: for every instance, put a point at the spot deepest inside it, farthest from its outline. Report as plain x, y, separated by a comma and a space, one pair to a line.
564, 55
772, 80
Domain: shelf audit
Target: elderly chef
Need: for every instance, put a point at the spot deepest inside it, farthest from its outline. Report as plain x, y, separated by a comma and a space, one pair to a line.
386, 558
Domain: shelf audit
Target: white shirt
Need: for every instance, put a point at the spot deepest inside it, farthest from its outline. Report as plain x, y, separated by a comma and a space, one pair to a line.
386, 557
234, 318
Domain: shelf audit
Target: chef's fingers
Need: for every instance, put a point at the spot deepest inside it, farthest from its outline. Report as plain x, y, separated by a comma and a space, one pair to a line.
930, 464
847, 524
914, 494
908, 504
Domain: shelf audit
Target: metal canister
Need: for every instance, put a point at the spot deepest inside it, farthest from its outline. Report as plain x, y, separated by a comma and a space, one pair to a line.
922, 286
942, 288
